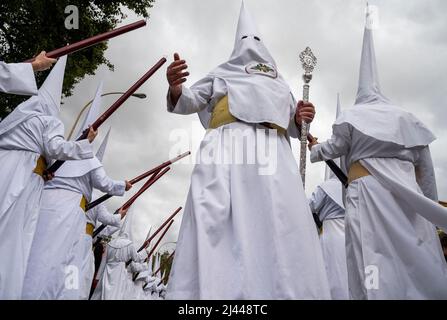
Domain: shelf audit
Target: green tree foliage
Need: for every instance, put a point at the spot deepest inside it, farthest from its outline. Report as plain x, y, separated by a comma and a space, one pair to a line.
28, 27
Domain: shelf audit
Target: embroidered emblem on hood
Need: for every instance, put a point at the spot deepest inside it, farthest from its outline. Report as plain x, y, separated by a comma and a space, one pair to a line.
261, 68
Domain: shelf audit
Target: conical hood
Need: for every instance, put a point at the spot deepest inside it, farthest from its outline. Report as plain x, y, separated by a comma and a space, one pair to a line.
78, 168
256, 90
51, 90
103, 146
328, 174
369, 88
248, 45
93, 112
46, 103
126, 227
246, 25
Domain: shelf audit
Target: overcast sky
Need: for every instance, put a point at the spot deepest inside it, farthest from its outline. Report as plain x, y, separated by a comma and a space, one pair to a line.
411, 49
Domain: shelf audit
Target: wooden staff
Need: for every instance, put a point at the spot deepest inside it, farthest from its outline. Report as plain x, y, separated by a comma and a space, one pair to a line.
148, 241
93, 40
129, 202
152, 172
118, 103
154, 247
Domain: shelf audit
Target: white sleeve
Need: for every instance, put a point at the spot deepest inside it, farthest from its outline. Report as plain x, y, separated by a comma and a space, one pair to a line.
293, 130
56, 147
138, 256
425, 174
339, 145
17, 78
316, 200
103, 183
194, 99
107, 218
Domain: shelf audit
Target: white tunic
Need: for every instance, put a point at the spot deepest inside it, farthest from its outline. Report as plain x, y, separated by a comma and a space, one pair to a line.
389, 244
21, 189
17, 78
97, 216
114, 282
135, 290
245, 235
332, 238
56, 263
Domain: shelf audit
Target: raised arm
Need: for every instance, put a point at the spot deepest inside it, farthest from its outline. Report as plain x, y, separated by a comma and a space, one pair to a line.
137, 256
180, 99
57, 148
107, 218
102, 182
339, 145
18, 78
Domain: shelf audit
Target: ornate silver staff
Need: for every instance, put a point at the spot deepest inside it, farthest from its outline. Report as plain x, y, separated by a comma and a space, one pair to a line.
308, 61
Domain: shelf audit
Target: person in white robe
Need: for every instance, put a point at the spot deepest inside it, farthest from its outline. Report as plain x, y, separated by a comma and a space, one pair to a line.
247, 231
327, 203
18, 78
55, 266
391, 203
139, 272
148, 281
96, 217
113, 284
31, 136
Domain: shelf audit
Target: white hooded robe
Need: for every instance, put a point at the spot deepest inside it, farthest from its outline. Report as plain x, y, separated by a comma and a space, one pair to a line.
392, 248
327, 203
246, 235
60, 243
114, 282
31, 130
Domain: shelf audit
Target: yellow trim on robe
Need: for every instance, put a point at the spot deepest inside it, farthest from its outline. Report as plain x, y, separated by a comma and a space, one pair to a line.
83, 203
221, 116
357, 171
89, 229
41, 166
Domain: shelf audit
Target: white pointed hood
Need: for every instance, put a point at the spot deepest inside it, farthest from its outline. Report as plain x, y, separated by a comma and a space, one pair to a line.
102, 148
332, 186
125, 237
256, 91
46, 103
93, 112
78, 168
374, 115
369, 91
248, 44
126, 226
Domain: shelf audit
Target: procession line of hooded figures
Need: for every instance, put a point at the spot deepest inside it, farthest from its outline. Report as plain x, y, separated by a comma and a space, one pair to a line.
243, 235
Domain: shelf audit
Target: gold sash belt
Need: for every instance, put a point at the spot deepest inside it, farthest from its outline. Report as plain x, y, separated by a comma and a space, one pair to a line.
357, 171
41, 166
221, 116
89, 229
